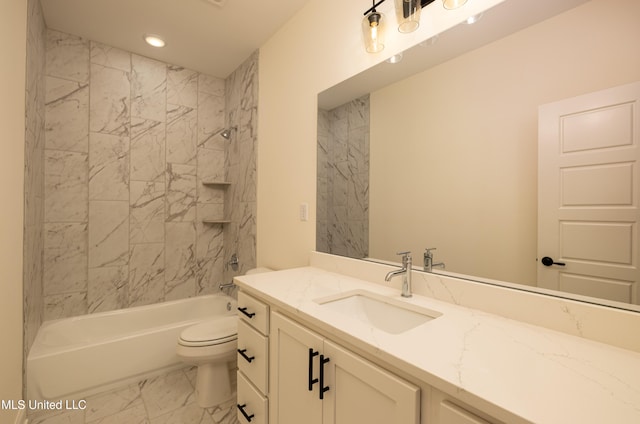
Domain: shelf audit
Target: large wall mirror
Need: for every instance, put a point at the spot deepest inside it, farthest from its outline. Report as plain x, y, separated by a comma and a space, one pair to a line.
441, 149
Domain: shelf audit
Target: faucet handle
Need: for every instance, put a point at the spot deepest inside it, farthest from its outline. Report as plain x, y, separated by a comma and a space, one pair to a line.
427, 251
406, 258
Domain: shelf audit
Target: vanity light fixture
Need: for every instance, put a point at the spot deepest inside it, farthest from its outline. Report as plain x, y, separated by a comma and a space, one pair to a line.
154, 40
453, 4
373, 29
408, 14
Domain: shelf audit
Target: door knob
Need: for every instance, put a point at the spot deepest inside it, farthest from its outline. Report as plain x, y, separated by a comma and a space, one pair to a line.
547, 261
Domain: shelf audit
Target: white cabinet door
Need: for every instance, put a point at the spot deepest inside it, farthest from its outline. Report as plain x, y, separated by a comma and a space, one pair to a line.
291, 401
356, 391
360, 392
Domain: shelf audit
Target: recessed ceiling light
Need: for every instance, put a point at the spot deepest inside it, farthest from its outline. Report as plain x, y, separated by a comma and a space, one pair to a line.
395, 58
473, 19
154, 40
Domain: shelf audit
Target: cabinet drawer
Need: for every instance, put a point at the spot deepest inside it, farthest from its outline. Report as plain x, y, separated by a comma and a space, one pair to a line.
251, 402
253, 349
253, 312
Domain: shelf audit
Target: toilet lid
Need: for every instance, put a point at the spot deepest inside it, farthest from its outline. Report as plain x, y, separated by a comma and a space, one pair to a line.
213, 331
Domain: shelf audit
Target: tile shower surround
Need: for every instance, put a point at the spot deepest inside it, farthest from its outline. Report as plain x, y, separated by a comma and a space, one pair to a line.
343, 179
117, 184
128, 142
34, 176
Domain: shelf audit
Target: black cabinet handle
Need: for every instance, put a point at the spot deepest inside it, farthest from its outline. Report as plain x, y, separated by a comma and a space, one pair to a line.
312, 380
244, 355
323, 360
246, 416
244, 311
547, 261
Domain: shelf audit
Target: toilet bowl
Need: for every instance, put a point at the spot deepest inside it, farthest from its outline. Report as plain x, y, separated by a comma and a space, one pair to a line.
210, 345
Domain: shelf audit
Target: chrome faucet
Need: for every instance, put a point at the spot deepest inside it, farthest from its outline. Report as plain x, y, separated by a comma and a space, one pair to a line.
405, 271
428, 260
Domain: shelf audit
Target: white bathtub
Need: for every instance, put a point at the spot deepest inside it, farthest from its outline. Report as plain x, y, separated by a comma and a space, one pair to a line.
82, 355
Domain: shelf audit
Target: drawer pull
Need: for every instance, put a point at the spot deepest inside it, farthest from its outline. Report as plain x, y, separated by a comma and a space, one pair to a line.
246, 416
244, 355
323, 360
312, 380
244, 311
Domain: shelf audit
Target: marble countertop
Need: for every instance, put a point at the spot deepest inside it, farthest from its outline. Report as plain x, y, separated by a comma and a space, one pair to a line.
511, 370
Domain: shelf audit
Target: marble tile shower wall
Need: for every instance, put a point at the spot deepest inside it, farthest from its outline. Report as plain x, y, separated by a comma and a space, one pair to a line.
343, 179
34, 174
129, 141
240, 197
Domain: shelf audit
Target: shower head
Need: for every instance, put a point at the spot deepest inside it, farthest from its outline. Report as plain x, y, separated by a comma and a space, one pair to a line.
226, 132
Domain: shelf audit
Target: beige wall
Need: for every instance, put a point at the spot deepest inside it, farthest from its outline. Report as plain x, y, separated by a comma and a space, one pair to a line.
316, 49
13, 22
470, 163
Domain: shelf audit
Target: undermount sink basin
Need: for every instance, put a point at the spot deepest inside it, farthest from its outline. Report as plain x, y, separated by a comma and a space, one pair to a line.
385, 314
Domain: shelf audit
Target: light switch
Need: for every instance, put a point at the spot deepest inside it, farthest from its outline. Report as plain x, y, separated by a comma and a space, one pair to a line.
304, 211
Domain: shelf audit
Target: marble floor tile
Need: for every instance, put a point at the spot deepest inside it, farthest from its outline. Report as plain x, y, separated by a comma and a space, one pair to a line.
189, 414
110, 403
227, 413
58, 417
167, 393
134, 415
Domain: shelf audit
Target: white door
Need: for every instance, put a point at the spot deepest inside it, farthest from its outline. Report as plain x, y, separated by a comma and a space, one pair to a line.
588, 187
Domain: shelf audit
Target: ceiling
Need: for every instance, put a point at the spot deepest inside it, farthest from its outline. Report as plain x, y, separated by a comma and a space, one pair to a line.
209, 36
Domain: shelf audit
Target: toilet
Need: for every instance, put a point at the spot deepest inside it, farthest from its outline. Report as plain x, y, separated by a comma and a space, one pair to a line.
210, 345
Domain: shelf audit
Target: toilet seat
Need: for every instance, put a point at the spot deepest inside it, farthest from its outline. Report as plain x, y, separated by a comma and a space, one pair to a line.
212, 332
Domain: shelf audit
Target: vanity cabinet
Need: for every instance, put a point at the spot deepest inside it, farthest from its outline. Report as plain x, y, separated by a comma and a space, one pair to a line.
315, 381
253, 360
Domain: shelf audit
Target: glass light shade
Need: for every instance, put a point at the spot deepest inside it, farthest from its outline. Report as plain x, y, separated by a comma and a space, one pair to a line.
373, 26
453, 4
408, 14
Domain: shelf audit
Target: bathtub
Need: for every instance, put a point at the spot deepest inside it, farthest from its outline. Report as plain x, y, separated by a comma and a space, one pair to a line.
82, 355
